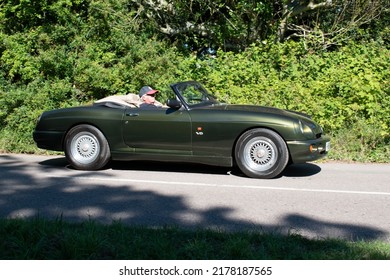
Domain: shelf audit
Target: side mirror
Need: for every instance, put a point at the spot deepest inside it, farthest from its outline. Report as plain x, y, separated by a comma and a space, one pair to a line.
174, 103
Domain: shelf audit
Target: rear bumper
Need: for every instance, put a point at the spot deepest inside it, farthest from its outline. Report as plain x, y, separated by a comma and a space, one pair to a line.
309, 150
49, 140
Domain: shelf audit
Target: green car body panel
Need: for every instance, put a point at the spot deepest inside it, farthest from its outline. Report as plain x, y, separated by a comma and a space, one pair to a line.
205, 132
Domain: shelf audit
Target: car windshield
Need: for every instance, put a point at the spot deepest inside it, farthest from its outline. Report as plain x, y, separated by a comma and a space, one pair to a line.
194, 94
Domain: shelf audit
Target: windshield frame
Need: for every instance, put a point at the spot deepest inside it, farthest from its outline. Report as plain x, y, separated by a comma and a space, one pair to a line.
193, 95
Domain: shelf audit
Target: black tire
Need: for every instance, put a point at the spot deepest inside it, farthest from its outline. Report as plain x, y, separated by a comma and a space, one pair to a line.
261, 153
86, 148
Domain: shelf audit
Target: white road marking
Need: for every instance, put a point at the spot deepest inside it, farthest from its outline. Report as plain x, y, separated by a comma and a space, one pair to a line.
224, 185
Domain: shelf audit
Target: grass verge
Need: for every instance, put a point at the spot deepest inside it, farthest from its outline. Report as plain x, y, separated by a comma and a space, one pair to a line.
52, 240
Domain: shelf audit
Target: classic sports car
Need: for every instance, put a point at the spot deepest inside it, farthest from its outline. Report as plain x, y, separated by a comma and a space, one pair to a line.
192, 127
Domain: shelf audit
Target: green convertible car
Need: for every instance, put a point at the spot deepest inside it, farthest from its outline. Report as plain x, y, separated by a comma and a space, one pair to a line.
192, 127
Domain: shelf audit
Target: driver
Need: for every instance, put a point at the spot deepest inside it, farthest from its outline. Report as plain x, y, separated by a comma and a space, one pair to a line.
148, 97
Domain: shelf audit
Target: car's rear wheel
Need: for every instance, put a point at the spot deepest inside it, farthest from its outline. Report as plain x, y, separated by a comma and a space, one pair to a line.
261, 153
86, 148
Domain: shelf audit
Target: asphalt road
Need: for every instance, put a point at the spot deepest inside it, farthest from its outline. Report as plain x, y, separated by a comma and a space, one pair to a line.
350, 201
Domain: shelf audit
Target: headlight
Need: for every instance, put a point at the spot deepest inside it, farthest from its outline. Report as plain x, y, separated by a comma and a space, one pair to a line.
306, 129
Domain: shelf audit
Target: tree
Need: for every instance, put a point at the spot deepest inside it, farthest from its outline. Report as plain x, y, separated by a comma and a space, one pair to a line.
228, 24
291, 9
325, 23
235, 24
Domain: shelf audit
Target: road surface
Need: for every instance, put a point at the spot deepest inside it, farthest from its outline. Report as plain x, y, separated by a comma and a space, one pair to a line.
349, 201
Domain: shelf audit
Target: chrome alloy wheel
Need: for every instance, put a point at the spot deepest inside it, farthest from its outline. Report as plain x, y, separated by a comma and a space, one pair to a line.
260, 154
85, 147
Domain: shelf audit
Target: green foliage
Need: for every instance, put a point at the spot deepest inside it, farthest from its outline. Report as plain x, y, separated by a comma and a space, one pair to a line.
21, 105
361, 141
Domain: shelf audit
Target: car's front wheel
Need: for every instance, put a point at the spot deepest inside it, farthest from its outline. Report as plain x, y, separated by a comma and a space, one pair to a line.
261, 153
86, 148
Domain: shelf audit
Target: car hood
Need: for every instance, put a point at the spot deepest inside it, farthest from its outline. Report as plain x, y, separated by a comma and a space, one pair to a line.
271, 111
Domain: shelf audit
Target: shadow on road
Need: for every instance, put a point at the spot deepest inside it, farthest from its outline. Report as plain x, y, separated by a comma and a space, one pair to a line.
23, 193
294, 170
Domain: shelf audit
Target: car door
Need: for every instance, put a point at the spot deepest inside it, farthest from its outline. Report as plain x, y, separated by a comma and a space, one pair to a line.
158, 131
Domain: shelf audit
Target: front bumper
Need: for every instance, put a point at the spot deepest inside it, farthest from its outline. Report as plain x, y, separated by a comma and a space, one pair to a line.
49, 140
309, 150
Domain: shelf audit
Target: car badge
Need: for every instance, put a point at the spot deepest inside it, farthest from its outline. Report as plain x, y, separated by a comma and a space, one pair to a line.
199, 131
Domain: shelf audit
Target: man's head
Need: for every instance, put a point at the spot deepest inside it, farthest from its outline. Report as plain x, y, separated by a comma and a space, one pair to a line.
147, 94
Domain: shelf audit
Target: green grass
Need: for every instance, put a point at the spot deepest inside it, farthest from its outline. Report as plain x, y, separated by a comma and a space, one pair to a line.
50, 240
